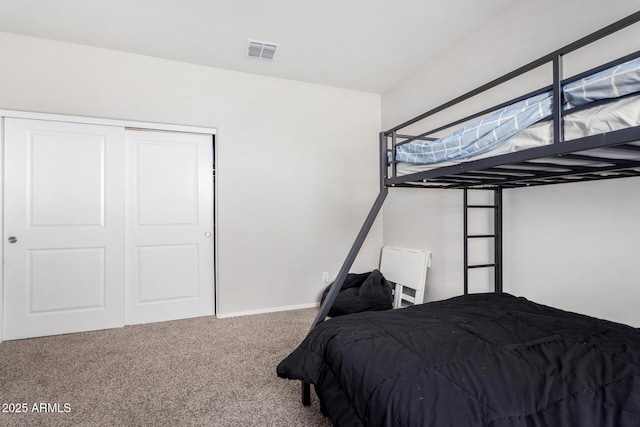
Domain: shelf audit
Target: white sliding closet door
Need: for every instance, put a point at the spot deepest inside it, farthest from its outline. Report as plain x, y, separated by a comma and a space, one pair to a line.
63, 227
170, 257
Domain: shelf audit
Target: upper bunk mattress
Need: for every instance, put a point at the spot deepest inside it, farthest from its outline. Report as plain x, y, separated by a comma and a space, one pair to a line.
489, 134
608, 117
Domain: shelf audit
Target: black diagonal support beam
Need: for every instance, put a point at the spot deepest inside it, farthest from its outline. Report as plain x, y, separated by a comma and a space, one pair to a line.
351, 257
342, 274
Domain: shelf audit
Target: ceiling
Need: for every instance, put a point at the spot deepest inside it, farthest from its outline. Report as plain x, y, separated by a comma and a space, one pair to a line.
366, 45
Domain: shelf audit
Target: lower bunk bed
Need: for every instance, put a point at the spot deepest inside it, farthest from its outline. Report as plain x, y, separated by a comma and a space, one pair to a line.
474, 360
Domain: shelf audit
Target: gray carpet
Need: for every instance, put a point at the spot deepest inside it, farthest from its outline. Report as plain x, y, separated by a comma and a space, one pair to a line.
194, 372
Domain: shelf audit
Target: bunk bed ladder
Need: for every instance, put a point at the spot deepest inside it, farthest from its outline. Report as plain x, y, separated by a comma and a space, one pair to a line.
496, 236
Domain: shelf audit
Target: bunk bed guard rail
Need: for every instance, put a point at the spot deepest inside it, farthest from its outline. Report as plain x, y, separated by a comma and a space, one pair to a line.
560, 100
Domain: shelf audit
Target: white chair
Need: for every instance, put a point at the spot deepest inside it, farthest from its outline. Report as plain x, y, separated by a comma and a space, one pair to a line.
408, 269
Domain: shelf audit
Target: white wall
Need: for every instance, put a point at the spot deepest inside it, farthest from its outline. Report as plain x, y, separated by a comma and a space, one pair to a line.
432, 220
289, 202
515, 36
574, 246
533, 242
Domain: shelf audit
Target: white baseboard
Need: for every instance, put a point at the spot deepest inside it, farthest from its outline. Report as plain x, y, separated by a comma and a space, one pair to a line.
267, 310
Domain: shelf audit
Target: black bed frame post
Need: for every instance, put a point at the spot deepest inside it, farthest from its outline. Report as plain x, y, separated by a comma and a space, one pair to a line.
558, 128
497, 245
384, 169
394, 144
465, 218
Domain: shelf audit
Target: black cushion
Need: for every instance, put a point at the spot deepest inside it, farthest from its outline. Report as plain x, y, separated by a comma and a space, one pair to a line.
361, 292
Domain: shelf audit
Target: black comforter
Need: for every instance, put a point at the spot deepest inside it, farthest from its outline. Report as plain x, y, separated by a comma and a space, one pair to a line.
476, 360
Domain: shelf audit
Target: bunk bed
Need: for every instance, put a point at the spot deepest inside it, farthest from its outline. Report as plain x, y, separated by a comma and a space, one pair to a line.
491, 359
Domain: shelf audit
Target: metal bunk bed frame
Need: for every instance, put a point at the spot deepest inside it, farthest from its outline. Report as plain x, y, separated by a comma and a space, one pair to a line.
490, 173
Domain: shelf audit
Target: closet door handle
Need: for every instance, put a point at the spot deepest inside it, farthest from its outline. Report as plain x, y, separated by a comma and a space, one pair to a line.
207, 234
12, 239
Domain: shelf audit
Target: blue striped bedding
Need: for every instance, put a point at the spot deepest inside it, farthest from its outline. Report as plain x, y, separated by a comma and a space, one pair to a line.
490, 132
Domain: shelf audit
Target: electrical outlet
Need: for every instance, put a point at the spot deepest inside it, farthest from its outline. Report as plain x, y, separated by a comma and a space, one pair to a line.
325, 277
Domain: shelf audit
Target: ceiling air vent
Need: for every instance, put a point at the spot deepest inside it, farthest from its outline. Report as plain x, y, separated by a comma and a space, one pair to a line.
261, 50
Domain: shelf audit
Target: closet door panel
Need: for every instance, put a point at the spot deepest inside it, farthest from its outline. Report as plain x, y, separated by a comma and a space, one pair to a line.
64, 227
169, 226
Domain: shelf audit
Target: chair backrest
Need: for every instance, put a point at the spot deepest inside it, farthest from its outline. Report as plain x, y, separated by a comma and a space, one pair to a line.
407, 268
